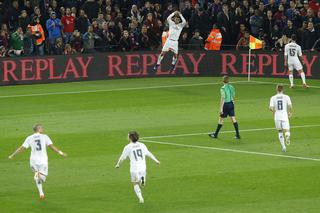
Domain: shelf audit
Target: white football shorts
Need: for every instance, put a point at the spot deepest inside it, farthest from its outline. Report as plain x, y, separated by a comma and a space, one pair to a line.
42, 168
282, 125
137, 175
170, 45
295, 66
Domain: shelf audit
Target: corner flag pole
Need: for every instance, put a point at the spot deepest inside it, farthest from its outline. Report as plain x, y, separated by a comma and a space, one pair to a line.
249, 65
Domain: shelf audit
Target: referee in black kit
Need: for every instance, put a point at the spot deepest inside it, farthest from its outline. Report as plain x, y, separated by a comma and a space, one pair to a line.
226, 107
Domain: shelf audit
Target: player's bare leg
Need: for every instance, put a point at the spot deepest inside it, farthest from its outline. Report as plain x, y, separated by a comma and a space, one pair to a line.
137, 190
39, 179
303, 78
236, 126
291, 79
160, 57
281, 139
287, 136
174, 61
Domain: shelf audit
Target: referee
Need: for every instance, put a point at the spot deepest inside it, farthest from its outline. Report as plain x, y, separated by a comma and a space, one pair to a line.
226, 107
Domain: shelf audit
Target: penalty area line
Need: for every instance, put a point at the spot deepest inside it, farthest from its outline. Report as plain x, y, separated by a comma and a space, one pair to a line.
228, 131
231, 150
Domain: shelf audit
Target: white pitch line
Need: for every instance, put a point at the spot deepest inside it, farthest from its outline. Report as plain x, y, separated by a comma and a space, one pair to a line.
275, 83
229, 131
232, 150
114, 90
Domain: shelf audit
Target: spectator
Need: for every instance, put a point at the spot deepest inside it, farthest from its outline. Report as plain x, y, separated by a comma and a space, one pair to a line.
3, 52
187, 11
68, 50
268, 27
135, 14
100, 19
27, 7
256, 23
59, 48
200, 20
292, 13
82, 22
309, 16
1, 12
153, 30
242, 31
38, 37
184, 41
148, 9
275, 35
309, 37
89, 39
68, 22
125, 42
144, 41
224, 24
54, 27
272, 6
281, 42
290, 29
13, 15
16, 42
243, 42
24, 20
4, 36
196, 42
76, 42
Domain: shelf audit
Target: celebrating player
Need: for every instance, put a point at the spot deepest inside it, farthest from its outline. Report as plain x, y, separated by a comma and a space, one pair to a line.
39, 158
175, 28
226, 107
292, 53
137, 153
281, 106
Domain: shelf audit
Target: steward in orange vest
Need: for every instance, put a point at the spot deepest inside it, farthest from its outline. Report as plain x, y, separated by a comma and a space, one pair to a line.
36, 31
214, 39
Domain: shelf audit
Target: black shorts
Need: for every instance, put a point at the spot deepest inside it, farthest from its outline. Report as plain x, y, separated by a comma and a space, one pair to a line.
228, 110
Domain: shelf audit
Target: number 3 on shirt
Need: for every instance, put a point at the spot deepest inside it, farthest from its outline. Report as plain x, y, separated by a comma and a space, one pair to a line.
137, 153
38, 148
280, 105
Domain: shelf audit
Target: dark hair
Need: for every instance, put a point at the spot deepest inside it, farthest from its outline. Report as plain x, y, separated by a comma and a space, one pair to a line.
294, 37
225, 79
133, 136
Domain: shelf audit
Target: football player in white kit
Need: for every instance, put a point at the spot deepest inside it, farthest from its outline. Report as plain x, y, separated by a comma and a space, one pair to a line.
175, 28
137, 153
292, 53
281, 106
39, 158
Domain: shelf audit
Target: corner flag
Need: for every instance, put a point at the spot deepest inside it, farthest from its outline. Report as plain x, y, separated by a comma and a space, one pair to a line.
255, 43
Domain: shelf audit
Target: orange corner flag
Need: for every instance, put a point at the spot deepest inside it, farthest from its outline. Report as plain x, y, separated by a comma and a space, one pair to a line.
255, 43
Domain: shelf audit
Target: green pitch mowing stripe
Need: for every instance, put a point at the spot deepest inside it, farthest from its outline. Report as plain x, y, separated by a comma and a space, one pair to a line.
91, 127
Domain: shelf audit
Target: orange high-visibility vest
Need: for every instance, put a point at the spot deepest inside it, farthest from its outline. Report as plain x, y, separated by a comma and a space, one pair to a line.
214, 40
164, 37
37, 28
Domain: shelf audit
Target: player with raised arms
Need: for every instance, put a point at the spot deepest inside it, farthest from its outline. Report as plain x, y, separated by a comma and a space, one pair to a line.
137, 153
175, 28
281, 106
39, 158
292, 53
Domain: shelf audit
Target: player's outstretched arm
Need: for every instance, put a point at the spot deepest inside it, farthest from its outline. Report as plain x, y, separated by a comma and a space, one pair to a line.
150, 155
170, 17
19, 150
57, 151
124, 155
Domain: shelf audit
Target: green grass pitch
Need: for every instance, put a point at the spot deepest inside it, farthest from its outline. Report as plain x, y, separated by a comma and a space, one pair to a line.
92, 128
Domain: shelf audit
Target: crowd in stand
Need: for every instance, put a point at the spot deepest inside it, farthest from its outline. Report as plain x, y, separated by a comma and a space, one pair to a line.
38, 27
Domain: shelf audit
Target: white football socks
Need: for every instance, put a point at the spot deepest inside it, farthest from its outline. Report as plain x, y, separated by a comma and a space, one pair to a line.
159, 59
174, 60
39, 186
281, 139
303, 77
137, 190
291, 79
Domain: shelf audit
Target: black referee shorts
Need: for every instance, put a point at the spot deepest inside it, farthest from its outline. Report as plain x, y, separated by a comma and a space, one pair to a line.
228, 110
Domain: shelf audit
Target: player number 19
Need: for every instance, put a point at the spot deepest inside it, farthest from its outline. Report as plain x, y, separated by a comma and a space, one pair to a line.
137, 153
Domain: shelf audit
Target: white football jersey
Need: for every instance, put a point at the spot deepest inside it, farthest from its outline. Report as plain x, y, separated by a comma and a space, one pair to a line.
38, 144
175, 29
280, 103
293, 51
137, 153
